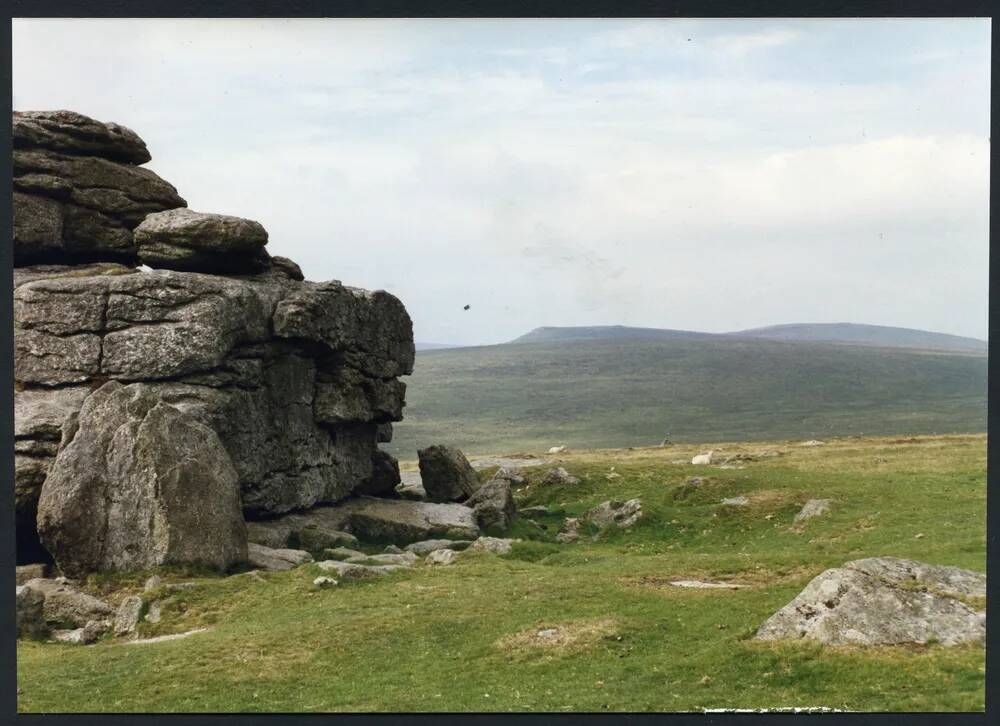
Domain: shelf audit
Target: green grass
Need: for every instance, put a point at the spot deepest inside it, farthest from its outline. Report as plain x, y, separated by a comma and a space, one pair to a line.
453, 638
591, 394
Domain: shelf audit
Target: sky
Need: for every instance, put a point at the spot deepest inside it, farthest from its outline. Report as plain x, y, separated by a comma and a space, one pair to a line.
710, 175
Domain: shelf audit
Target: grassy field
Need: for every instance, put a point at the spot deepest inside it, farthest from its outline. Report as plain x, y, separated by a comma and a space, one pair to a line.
591, 394
462, 637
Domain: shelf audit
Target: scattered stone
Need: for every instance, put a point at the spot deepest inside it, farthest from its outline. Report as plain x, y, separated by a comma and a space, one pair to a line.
323, 581
495, 545
166, 638
411, 488
570, 530
314, 538
919, 535
613, 513
446, 474
700, 585
86, 635
29, 612
155, 612
182, 239
536, 511
557, 449
429, 545
353, 571
127, 617
560, 476
510, 463
493, 506
403, 560
739, 501
34, 571
813, 508
393, 550
342, 553
131, 446
65, 606
884, 601
441, 557
813, 442
402, 522
548, 632
265, 558
152, 583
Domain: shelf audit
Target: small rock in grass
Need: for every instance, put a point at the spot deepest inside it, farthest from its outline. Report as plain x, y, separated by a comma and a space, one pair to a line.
441, 557
560, 476
813, 508
266, 558
155, 612
342, 553
740, 501
152, 583
570, 530
393, 550
127, 617
323, 581
496, 545
427, 546
537, 511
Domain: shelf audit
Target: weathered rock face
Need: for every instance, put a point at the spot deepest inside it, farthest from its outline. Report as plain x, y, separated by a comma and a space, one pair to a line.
446, 474
78, 193
885, 601
297, 379
140, 484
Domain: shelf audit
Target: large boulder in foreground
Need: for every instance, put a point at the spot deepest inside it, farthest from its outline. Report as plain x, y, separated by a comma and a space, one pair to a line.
181, 239
885, 601
140, 484
446, 474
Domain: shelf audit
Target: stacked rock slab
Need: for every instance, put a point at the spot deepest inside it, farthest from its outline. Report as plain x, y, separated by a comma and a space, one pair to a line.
78, 189
297, 380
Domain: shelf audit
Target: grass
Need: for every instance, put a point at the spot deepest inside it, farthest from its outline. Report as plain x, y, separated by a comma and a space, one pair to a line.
601, 393
465, 637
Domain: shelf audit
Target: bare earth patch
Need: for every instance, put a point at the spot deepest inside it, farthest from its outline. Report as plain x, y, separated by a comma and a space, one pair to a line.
557, 639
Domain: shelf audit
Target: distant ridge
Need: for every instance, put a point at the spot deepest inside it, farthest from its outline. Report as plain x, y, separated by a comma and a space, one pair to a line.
606, 332
843, 333
434, 346
856, 334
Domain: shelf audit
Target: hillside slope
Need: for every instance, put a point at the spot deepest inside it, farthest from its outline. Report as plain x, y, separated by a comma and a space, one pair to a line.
608, 393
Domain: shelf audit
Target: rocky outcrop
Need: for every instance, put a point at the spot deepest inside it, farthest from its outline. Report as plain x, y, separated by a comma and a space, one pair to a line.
446, 474
297, 380
885, 601
137, 484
